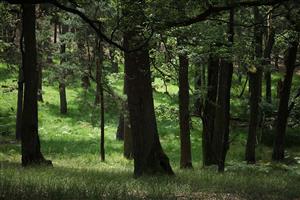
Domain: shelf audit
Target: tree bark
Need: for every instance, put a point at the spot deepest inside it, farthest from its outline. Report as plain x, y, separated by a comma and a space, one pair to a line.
20, 103
120, 129
148, 154
220, 139
62, 84
40, 83
255, 80
20, 89
99, 65
30, 142
184, 113
283, 113
267, 60
102, 148
209, 111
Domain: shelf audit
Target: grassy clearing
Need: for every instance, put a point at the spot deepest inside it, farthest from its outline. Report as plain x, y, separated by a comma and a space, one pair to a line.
72, 142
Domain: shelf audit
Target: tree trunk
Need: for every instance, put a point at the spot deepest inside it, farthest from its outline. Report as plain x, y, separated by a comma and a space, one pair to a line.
99, 65
63, 98
31, 153
283, 113
120, 130
40, 83
220, 139
209, 111
62, 84
20, 102
199, 82
128, 146
255, 80
267, 60
184, 115
148, 154
102, 149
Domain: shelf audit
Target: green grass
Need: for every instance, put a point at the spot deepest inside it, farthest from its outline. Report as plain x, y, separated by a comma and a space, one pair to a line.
72, 142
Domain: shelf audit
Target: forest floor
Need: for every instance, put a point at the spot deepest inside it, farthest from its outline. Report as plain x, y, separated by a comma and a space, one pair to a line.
71, 141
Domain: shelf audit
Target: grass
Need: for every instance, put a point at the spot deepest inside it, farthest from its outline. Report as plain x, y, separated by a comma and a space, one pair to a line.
72, 142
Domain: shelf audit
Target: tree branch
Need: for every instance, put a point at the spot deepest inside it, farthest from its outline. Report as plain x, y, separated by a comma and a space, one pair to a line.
217, 9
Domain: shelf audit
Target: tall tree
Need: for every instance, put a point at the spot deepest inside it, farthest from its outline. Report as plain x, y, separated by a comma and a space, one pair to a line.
220, 138
62, 78
270, 40
30, 142
283, 111
209, 111
148, 154
184, 113
255, 80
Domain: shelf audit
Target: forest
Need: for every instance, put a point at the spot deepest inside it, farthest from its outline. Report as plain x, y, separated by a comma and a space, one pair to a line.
150, 99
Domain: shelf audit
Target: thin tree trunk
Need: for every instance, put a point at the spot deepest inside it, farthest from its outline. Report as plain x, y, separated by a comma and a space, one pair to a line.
120, 130
198, 87
20, 89
20, 104
102, 148
128, 145
63, 98
255, 80
40, 83
30, 142
267, 60
99, 65
184, 115
283, 113
62, 84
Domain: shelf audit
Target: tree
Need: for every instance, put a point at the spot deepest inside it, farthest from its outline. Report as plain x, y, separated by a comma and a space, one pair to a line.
255, 80
148, 154
220, 138
184, 113
30, 142
62, 76
283, 111
209, 111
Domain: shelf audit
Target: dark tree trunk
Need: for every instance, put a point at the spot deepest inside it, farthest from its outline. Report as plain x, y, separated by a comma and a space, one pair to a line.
267, 60
63, 98
102, 149
40, 83
220, 139
120, 130
20, 103
255, 80
199, 83
20, 88
62, 84
128, 145
55, 31
283, 113
99, 65
85, 61
148, 154
31, 153
209, 111
121, 127
184, 115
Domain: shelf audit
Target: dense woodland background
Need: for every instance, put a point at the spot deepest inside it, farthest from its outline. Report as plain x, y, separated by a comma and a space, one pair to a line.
198, 99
